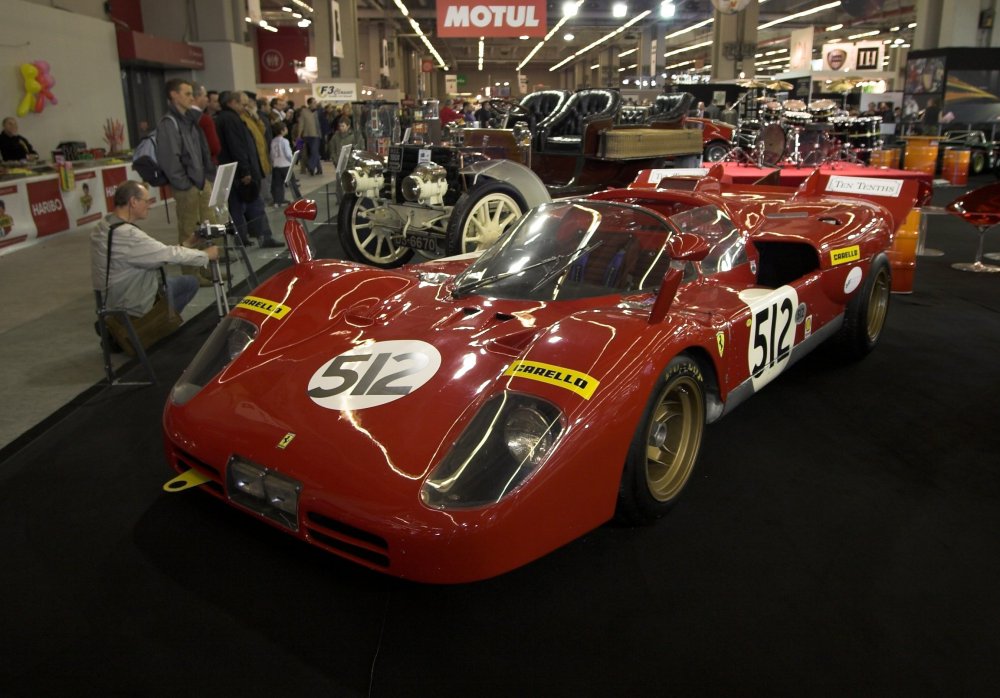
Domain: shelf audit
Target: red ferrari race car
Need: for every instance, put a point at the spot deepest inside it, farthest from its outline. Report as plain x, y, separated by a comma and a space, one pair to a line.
452, 420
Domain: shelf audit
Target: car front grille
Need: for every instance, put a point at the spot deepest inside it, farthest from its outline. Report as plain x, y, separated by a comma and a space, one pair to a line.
346, 540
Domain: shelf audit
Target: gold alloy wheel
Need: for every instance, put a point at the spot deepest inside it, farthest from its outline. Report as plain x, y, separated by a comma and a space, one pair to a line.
673, 437
878, 304
490, 218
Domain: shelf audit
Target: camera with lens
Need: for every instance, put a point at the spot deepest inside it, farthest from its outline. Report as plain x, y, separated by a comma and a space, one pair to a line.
215, 230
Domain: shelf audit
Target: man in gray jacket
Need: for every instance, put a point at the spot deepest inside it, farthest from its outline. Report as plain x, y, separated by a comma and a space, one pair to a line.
182, 152
136, 258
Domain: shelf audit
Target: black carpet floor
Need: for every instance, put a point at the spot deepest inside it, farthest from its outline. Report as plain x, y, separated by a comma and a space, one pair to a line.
841, 537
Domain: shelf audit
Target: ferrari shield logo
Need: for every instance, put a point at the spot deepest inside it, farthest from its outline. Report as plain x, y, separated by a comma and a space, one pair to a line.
285, 440
720, 342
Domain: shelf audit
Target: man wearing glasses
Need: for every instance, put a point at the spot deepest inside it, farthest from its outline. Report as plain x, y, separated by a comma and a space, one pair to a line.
136, 259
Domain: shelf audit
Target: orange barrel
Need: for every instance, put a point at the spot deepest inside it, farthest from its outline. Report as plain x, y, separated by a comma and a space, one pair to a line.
921, 154
888, 157
955, 165
903, 253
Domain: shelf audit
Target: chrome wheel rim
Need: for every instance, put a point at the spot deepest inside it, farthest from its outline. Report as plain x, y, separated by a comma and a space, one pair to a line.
673, 437
490, 218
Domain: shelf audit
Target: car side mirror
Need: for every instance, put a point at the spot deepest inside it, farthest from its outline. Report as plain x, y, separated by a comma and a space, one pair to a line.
687, 247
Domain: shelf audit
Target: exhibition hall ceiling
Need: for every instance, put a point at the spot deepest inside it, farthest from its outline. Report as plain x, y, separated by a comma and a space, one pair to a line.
685, 37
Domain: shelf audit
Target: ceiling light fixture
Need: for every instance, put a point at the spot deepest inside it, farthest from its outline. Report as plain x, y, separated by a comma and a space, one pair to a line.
686, 48
834, 27
604, 38
627, 53
699, 25
619, 9
796, 15
569, 9
548, 36
667, 9
873, 32
416, 28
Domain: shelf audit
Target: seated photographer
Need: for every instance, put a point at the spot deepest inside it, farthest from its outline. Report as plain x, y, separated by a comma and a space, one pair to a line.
136, 259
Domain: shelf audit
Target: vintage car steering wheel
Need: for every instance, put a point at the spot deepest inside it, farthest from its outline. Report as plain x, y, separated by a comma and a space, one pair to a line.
507, 109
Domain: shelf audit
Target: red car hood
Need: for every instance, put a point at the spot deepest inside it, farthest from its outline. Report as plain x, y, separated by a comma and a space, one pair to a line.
273, 404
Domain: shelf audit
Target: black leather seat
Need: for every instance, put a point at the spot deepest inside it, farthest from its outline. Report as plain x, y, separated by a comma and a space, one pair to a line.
671, 108
564, 132
540, 105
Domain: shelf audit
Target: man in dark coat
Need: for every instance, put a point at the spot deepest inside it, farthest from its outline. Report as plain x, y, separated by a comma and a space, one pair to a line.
246, 205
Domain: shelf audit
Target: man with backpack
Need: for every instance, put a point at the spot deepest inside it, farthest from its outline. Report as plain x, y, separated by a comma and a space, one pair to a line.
182, 153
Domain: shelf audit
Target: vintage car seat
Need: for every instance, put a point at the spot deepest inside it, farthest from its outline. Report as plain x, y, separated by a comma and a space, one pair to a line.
539, 106
565, 131
981, 208
671, 108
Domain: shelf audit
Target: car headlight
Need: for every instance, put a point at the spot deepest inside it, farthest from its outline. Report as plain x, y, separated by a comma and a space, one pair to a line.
427, 184
366, 177
509, 439
229, 339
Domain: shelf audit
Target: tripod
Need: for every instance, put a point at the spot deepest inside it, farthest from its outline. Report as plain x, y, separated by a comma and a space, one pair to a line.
211, 230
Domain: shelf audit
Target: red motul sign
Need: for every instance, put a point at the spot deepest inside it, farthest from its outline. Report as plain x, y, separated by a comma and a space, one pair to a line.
469, 18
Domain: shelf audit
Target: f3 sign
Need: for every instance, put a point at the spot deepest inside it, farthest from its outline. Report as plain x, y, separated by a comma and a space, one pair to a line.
472, 18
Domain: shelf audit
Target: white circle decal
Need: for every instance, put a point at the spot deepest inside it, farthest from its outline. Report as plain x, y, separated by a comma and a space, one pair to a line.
853, 280
373, 374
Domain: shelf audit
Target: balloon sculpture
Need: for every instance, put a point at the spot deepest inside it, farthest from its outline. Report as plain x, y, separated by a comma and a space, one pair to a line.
38, 83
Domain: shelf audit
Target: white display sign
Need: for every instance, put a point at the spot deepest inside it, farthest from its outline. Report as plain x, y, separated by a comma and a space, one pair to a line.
869, 186
838, 57
800, 44
335, 91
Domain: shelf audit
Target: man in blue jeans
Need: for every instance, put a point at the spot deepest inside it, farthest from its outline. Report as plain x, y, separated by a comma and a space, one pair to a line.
246, 205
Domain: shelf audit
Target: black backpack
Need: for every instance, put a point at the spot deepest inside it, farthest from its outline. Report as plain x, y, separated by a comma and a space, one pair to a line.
144, 160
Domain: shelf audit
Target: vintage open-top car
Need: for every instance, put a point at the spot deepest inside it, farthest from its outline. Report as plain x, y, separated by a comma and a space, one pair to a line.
452, 199
452, 420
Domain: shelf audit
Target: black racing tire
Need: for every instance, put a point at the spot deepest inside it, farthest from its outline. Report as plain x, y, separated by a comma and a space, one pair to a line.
716, 151
866, 311
482, 216
977, 162
665, 447
362, 240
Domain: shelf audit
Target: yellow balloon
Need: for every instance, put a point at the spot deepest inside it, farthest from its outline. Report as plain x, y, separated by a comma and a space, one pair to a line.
25, 106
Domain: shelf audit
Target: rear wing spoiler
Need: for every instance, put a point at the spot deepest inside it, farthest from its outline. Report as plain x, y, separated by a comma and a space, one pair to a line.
899, 196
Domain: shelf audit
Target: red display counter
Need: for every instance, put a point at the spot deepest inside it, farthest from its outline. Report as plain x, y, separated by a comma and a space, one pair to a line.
39, 205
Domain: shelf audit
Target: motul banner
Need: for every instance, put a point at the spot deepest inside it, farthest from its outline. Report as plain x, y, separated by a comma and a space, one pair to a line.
465, 18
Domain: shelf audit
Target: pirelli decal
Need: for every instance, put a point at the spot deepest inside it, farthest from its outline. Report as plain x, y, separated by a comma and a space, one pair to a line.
845, 255
580, 383
262, 305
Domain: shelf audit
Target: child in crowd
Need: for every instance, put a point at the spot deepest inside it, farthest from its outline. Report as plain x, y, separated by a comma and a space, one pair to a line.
281, 159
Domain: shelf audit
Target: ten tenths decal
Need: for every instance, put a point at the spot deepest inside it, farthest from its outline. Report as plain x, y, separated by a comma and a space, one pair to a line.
262, 305
865, 185
579, 383
373, 374
845, 255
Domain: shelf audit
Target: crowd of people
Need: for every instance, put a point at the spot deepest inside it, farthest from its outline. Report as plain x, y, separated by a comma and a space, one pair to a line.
200, 131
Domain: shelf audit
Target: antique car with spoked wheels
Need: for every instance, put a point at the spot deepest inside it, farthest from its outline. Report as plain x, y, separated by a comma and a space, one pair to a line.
452, 420
461, 197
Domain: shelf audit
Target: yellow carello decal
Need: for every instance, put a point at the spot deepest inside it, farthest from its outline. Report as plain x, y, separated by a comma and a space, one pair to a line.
262, 305
845, 255
580, 383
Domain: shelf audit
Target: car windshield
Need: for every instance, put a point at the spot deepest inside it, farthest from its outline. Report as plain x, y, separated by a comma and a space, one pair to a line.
573, 249
727, 248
